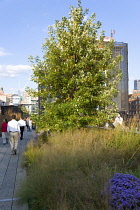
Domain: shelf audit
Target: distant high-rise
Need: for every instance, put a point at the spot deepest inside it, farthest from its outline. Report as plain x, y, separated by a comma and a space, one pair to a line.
121, 48
137, 85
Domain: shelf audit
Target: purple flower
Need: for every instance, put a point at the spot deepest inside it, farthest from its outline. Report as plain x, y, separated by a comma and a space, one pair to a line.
124, 192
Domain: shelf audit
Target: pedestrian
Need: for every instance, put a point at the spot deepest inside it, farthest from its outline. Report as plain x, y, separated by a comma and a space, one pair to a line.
118, 121
22, 125
27, 123
14, 132
30, 124
4, 131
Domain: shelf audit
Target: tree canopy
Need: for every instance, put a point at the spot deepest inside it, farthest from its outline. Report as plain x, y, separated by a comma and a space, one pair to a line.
78, 74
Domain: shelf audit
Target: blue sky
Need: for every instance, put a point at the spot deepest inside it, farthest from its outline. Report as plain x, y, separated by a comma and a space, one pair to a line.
24, 25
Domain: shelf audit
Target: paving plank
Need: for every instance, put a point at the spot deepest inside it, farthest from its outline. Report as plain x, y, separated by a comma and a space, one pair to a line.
11, 174
5, 205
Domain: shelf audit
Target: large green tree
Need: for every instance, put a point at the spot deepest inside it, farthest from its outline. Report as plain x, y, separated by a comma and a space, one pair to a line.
78, 74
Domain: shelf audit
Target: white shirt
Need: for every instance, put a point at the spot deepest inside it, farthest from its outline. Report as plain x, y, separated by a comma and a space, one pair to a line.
118, 121
22, 123
30, 122
13, 126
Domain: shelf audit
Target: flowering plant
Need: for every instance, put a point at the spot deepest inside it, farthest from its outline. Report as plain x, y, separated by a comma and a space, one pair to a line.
124, 192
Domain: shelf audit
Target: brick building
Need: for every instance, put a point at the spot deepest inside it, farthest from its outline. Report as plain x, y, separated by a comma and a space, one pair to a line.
134, 104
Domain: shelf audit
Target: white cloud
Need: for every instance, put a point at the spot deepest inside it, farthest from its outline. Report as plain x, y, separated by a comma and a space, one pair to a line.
3, 53
14, 70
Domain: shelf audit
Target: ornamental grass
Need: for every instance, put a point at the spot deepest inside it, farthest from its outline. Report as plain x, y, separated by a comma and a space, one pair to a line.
71, 169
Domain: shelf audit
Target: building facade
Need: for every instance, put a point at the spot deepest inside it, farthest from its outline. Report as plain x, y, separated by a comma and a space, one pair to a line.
134, 100
137, 85
4, 101
121, 48
30, 103
1, 91
134, 104
16, 99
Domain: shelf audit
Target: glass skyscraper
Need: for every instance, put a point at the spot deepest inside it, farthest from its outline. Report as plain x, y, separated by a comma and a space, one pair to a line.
121, 48
137, 85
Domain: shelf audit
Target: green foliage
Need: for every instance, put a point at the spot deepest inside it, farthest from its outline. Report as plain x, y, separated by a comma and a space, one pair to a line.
24, 110
32, 155
78, 73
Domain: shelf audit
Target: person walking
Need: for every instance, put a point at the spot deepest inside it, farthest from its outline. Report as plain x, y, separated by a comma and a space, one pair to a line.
14, 132
22, 125
118, 121
27, 123
4, 131
30, 124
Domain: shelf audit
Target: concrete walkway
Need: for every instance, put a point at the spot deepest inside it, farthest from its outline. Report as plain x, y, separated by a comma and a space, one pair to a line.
11, 173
